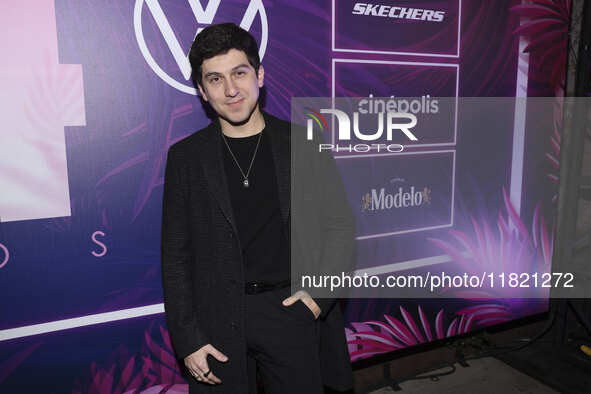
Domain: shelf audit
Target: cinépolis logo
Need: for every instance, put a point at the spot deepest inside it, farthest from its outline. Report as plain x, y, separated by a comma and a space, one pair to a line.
395, 198
376, 124
372, 122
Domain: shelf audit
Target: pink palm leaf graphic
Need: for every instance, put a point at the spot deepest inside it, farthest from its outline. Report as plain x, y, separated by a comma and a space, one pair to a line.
375, 337
545, 24
513, 249
153, 370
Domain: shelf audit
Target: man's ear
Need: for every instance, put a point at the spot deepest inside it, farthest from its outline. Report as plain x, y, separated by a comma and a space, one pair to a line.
202, 91
261, 76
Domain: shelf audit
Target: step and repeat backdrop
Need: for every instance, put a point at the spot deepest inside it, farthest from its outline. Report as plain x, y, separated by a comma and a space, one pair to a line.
94, 93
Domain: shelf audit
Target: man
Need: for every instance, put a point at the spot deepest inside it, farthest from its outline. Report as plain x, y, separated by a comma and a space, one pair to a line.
226, 240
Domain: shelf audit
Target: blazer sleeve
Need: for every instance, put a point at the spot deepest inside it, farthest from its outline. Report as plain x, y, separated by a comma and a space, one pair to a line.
337, 254
177, 259
334, 217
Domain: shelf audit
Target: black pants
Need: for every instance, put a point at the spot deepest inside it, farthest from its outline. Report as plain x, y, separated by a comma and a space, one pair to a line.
282, 343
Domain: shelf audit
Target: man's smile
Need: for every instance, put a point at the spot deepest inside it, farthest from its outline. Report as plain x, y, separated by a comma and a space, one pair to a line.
235, 103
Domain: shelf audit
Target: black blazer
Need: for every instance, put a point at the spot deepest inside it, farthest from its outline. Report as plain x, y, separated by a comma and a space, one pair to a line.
202, 268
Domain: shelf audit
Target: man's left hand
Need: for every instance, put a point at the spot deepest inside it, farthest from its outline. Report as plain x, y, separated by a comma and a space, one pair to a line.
306, 299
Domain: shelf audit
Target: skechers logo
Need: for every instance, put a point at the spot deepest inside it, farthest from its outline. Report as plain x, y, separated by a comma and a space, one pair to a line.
398, 12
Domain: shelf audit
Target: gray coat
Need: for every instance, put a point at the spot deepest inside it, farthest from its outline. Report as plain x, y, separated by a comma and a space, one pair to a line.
202, 268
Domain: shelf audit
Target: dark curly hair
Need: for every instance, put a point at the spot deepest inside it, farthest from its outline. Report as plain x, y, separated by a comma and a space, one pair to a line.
219, 39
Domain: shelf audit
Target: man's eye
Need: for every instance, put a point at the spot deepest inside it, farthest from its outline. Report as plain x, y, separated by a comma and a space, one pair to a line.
214, 79
240, 73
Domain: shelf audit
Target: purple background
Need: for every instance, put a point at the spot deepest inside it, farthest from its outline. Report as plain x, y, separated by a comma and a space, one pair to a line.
116, 163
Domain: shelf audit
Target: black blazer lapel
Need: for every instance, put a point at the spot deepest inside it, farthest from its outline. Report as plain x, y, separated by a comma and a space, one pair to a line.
278, 132
212, 160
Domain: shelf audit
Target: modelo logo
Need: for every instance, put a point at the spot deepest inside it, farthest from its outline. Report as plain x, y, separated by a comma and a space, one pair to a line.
388, 11
203, 16
379, 200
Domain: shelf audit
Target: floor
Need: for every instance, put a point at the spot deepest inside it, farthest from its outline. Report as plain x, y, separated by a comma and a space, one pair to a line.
482, 376
553, 363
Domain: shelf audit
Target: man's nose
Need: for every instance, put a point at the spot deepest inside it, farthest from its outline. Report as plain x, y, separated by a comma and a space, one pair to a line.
231, 89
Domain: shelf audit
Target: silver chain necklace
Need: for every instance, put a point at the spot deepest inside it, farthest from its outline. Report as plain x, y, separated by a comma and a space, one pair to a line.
245, 182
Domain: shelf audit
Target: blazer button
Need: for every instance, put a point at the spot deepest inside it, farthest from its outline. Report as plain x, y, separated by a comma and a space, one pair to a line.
230, 234
234, 325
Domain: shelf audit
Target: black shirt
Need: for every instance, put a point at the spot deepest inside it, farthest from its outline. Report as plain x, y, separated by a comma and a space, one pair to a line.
256, 208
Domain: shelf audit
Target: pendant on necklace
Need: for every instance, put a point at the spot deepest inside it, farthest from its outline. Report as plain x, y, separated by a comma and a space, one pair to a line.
245, 183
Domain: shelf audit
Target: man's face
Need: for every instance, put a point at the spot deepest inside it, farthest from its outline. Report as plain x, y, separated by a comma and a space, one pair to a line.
230, 85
